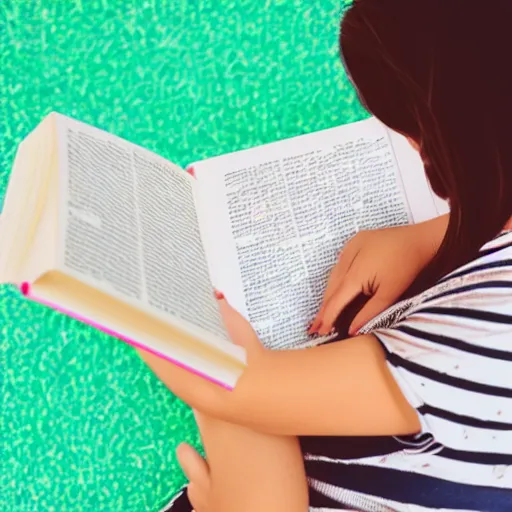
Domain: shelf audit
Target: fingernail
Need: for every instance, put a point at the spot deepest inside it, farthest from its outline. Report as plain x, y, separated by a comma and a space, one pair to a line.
325, 330
218, 295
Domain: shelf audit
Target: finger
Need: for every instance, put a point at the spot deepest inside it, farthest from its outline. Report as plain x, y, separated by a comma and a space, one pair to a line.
344, 295
346, 259
194, 466
376, 305
239, 329
338, 273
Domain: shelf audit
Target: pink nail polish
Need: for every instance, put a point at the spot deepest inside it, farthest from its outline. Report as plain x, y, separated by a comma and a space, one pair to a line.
218, 295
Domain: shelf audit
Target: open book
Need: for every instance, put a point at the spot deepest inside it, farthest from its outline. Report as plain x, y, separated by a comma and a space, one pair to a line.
112, 234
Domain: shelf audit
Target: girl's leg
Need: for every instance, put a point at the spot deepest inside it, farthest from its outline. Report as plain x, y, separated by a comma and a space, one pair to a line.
245, 471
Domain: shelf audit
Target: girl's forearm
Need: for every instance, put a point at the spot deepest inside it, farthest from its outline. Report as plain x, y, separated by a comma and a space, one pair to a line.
343, 388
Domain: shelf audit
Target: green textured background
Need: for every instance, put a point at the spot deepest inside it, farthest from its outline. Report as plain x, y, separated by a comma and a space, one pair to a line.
84, 425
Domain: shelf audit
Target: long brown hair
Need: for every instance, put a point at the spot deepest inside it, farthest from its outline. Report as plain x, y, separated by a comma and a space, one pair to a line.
439, 72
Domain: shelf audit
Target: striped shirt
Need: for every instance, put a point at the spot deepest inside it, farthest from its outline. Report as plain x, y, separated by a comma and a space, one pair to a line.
450, 351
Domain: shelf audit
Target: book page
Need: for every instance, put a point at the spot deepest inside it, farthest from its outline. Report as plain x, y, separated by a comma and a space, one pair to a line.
130, 228
275, 218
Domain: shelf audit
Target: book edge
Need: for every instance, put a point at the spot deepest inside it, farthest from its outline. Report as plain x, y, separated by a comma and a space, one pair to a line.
25, 289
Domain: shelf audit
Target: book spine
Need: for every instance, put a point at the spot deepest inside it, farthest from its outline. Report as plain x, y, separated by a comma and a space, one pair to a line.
26, 290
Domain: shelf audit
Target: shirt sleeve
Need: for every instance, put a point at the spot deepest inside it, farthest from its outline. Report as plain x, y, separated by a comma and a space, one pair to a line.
452, 358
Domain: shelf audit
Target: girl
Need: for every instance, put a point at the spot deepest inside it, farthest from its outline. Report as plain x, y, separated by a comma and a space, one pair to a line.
414, 412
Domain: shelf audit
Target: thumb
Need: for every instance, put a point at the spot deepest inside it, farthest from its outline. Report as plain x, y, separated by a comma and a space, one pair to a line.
376, 305
193, 465
239, 329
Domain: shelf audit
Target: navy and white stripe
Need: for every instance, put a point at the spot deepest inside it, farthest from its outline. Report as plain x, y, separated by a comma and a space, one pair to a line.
450, 350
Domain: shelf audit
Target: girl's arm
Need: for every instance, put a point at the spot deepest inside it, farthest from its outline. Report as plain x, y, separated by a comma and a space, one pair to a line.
343, 388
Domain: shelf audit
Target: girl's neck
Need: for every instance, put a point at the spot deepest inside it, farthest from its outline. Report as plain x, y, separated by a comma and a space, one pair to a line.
508, 225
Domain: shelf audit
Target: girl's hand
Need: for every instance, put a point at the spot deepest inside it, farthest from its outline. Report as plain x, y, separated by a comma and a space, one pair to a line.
380, 264
205, 396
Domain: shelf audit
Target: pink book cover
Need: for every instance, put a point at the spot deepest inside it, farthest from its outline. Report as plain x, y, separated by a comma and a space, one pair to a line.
26, 290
